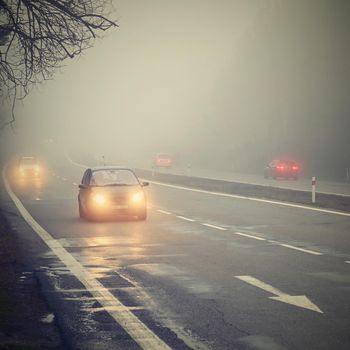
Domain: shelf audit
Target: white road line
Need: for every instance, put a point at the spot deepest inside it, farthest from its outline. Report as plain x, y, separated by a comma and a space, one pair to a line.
286, 204
348, 262
249, 236
72, 161
185, 218
301, 249
214, 226
126, 319
75, 184
163, 212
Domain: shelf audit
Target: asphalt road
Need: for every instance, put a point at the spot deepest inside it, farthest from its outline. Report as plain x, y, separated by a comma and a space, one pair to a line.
200, 273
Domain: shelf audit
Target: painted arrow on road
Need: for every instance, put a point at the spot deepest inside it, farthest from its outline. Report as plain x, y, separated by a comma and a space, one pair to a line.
296, 300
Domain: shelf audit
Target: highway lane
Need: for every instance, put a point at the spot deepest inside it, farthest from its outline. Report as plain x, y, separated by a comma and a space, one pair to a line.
178, 271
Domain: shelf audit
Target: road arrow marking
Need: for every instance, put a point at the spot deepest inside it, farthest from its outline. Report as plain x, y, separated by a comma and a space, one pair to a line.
296, 300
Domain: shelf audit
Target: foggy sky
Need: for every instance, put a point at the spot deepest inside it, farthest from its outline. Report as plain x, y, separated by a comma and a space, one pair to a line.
215, 82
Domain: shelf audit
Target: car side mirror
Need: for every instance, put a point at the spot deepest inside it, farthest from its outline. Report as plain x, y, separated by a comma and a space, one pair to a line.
145, 183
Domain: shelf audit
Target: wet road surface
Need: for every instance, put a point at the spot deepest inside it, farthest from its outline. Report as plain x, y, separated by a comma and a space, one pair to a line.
202, 272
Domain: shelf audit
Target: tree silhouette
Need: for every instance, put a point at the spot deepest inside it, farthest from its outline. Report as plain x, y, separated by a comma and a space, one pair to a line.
36, 36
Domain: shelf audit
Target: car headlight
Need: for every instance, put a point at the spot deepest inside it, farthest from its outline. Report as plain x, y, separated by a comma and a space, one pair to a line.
137, 197
99, 198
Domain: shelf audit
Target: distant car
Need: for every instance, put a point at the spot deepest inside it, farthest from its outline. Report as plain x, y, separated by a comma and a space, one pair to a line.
111, 191
28, 167
287, 169
163, 160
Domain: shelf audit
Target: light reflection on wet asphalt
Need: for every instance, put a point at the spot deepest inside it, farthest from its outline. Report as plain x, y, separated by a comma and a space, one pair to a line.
170, 269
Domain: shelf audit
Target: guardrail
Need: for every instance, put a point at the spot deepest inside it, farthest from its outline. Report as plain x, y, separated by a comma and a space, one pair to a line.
324, 200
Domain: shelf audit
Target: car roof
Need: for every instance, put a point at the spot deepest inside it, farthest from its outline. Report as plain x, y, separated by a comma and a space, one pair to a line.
163, 154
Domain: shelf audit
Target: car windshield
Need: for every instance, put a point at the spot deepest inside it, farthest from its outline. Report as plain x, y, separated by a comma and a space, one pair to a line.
287, 162
163, 155
116, 177
28, 161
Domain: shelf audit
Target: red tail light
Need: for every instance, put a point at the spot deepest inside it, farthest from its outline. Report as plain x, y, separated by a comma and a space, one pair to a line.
294, 167
280, 167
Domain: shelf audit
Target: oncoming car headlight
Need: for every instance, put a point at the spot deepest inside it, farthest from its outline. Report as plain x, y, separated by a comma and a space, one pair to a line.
99, 199
137, 198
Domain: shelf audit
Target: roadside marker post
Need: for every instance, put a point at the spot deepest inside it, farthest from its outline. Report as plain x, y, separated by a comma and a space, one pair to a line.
347, 174
313, 190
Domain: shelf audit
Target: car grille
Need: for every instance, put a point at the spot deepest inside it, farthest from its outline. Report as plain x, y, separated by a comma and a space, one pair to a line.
120, 199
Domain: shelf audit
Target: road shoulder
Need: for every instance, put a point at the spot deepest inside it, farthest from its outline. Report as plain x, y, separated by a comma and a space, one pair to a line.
26, 322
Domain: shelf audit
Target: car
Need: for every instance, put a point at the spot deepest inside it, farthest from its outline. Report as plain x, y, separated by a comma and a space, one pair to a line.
111, 191
162, 160
29, 167
287, 169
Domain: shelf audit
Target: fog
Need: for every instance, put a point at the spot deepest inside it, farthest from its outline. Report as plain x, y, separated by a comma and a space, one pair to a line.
226, 84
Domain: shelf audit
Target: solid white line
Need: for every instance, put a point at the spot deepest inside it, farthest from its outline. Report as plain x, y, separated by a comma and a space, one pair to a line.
348, 262
126, 319
185, 218
72, 161
163, 211
214, 226
301, 249
286, 204
249, 236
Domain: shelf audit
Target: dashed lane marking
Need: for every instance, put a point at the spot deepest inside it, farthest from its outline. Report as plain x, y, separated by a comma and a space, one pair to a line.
185, 218
214, 226
137, 330
249, 236
348, 262
300, 249
163, 212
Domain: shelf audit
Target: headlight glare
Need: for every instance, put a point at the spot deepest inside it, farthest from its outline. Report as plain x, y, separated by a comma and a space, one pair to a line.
99, 198
137, 197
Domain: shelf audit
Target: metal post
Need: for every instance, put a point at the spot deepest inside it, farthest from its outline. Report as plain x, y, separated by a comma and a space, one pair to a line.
313, 185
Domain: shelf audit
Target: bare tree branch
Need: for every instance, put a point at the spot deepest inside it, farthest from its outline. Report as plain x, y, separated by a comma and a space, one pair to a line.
36, 36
